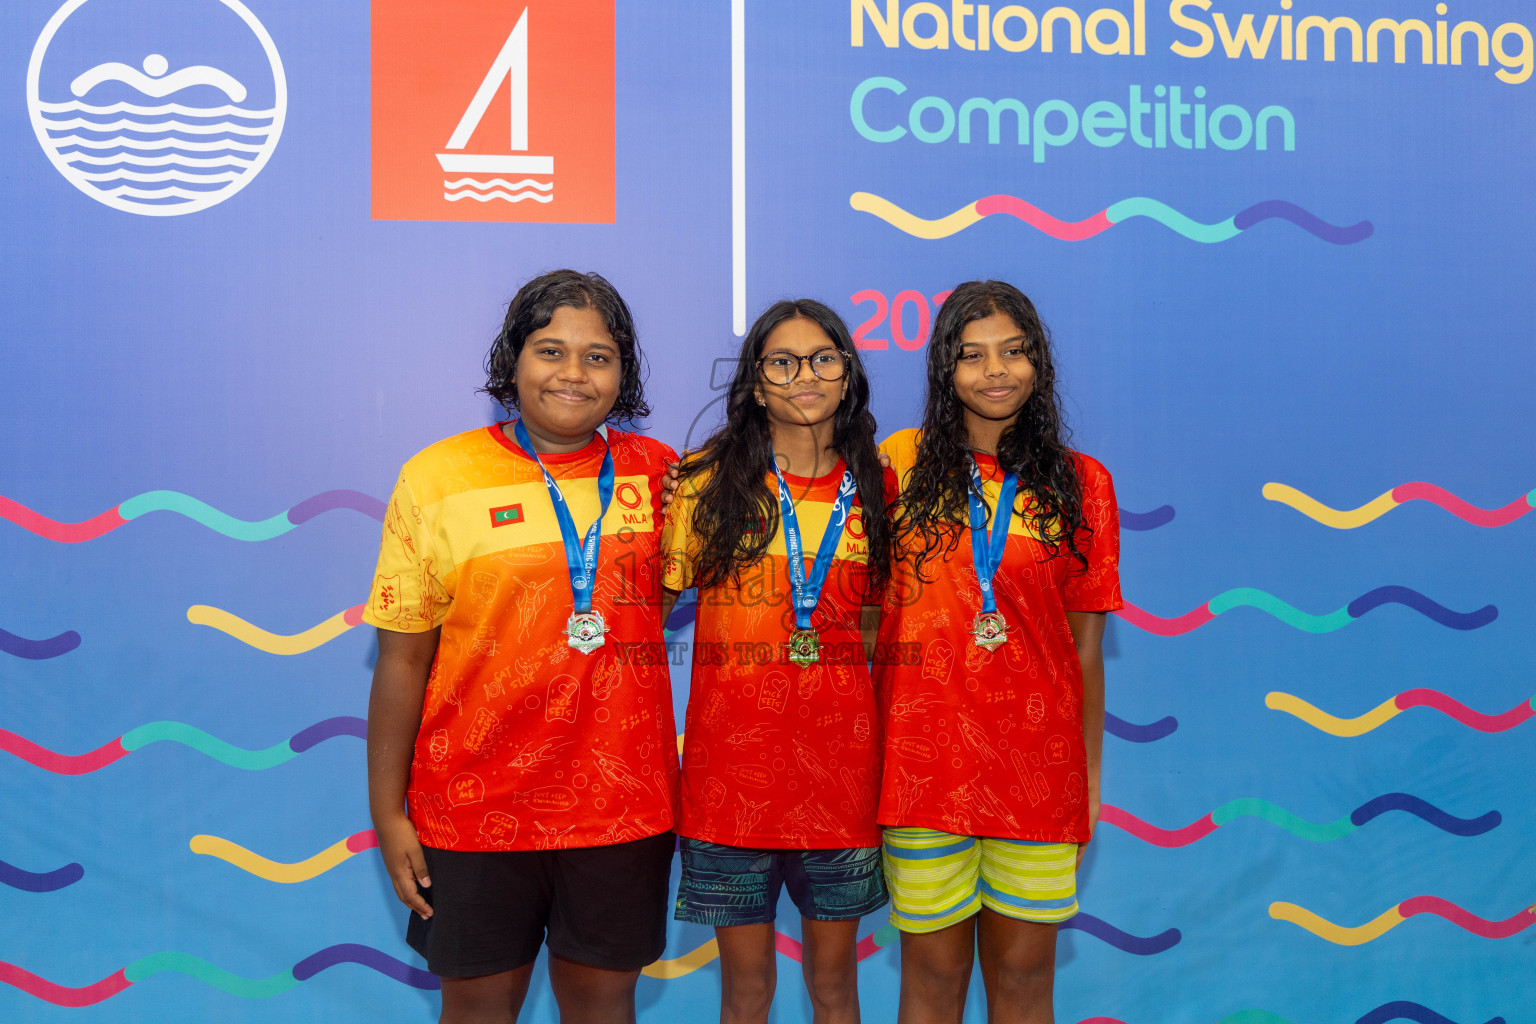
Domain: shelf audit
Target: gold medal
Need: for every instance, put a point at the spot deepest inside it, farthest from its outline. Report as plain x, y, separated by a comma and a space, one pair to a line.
990, 630
804, 647
585, 630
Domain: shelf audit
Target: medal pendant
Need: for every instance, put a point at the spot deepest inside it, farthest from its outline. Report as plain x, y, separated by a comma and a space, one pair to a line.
990, 631
804, 647
585, 631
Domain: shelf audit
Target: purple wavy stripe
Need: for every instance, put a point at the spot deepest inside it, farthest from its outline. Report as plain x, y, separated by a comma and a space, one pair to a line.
329, 729
1106, 932
40, 881
1424, 606
682, 615
39, 650
1160, 516
329, 501
1116, 726
1402, 1009
354, 953
1304, 219
1428, 811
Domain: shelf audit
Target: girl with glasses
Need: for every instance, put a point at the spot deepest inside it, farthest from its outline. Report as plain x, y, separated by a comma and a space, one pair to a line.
1007, 561
780, 522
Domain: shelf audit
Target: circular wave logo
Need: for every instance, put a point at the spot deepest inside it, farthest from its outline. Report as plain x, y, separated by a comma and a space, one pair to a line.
156, 108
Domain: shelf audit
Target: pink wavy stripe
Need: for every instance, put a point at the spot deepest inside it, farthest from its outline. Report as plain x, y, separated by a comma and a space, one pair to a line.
67, 533
1166, 838
1419, 491
361, 841
1101, 1020
61, 764
354, 616
60, 995
1453, 708
792, 948
1166, 627
1468, 921
1067, 231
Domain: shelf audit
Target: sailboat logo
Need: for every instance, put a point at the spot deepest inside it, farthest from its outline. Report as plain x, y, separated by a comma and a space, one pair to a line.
510, 66
477, 104
150, 137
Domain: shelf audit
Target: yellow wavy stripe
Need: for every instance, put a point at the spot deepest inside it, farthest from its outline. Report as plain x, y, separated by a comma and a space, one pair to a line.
271, 870
679, 744
866, 202
1346, 519
1328, 723
1337, 934
272, 643
685, 964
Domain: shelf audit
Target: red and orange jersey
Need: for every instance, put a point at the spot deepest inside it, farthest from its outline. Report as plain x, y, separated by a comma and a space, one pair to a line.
526, 743
775, 755
990, 743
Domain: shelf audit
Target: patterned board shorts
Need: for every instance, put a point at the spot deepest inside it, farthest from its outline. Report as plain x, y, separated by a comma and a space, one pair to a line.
938, 879
731, 885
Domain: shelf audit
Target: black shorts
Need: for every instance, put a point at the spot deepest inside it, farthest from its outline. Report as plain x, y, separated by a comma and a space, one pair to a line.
603, 906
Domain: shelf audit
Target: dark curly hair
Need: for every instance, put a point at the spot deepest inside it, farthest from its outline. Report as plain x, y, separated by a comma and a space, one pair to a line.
734, 496
532, 308
933, 508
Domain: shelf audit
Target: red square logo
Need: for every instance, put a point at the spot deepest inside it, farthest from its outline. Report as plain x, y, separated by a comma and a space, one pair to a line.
486, 110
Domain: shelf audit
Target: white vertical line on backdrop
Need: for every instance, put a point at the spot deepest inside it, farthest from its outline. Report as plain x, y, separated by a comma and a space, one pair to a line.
739, 167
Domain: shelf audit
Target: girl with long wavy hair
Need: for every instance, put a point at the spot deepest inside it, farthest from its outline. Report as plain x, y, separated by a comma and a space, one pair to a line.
1007, 552
780, 522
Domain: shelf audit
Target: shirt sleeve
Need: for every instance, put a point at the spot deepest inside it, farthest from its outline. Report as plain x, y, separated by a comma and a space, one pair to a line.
407, 595
679, 544
1096, 588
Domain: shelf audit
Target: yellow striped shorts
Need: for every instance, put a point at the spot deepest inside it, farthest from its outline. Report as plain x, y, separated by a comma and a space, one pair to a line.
937, 879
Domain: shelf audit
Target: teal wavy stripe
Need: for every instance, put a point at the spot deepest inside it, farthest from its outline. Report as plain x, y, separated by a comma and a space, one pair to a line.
1139, 206
203, 743
1252, 807
207, 515
202, 970
1271, 605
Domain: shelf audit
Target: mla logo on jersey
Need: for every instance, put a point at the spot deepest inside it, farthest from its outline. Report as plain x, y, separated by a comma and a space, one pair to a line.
156, 108
489, 110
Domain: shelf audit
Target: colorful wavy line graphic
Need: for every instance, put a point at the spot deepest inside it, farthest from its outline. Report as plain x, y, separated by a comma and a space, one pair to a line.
1122, 940
1130, 731
191, 508
1249, 597
278, 871
1349, 519
1142, 521
187, 736
1252, 807
1400, 1009
40, 881
38, 650
202, 970
1394, 706
1357, 935
1125, 209
276, 643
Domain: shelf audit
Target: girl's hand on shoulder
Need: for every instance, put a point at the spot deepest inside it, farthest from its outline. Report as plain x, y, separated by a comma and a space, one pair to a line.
406, 864
668, 484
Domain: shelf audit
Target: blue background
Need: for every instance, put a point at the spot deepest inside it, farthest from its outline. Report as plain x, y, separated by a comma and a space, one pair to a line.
282, 344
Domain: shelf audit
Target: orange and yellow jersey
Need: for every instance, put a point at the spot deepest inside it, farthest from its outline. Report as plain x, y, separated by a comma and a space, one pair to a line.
526, 743
775, 755
990, 743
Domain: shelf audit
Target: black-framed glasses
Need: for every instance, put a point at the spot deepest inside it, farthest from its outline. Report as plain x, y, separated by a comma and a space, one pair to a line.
781, 368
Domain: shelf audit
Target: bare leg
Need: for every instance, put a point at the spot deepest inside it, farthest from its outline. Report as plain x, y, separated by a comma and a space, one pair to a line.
831, 969
488, 999
1018, 968
935, 974
592, 995
748, 973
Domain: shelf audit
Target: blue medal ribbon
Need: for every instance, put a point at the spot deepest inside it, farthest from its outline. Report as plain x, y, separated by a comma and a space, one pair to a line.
807, 592
987, 549
580, 556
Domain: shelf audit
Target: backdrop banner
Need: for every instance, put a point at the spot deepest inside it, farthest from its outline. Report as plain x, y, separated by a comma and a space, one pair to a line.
254, 252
